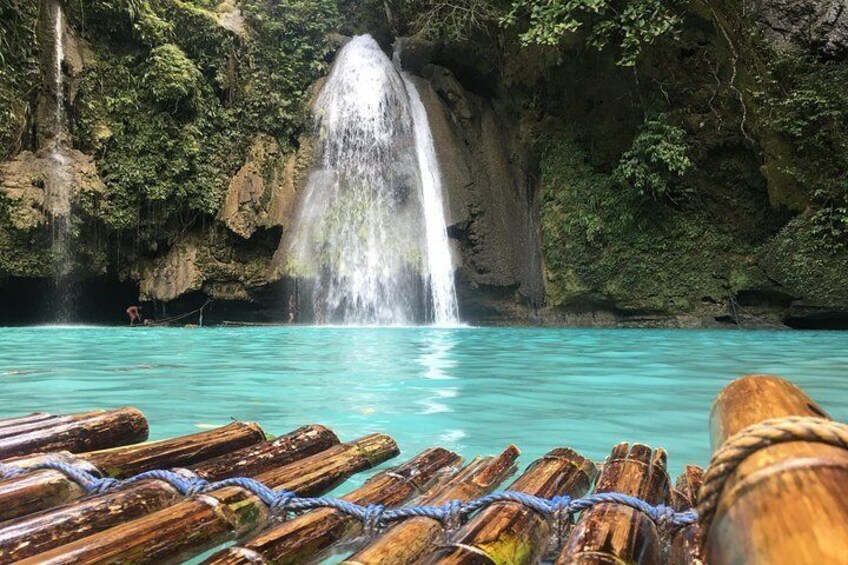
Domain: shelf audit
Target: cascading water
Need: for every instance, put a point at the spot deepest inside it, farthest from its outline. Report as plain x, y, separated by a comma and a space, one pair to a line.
58, 182
371, 234
439, 264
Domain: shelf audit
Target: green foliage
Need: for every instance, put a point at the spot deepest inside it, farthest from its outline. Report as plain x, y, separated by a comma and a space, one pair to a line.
456, 20
19, 74
803, 100
170, 113
796, 258
289, 53
656, 161
602, 244
23, 251
629, 24
171, 77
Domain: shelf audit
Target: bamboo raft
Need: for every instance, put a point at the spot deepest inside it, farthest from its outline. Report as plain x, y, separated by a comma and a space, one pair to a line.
86, 488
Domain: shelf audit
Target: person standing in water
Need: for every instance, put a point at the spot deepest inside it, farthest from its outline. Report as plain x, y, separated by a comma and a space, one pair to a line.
134, 312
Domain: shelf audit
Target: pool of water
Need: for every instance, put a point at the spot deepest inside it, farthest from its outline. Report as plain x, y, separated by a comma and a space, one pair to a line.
473, 390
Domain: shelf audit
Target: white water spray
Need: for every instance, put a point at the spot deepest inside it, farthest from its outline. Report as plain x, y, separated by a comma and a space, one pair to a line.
371, 231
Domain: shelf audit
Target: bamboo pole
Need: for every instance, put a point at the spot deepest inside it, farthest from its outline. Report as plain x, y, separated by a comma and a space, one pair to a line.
34, 417
305, 537
410, 541
44, 489
43, 531
613, 533
94, 431
36, 421
508, 533
685, 544
785, 503
205, 521
125, 461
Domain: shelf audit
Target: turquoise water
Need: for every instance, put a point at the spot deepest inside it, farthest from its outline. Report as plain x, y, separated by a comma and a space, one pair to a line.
471, 390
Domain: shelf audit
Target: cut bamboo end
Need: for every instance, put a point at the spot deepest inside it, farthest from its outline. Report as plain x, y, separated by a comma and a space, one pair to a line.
613, 533
778, 505
412, 540
508, 533
684, 547
751, 399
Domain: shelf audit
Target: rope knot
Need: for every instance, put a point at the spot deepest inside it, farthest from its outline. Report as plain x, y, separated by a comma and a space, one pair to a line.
452, 515
373, 519
561, 514
195, 485
665, 517
279, 508
102, 486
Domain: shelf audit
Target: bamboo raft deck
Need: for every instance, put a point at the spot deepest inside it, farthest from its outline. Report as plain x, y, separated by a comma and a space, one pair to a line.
73, 494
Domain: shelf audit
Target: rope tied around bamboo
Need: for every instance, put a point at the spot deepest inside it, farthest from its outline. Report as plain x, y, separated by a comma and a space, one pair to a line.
374, 517
753, 438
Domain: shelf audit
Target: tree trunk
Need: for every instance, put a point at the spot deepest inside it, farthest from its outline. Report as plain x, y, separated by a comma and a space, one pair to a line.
302, 539
205, 521
43, 531
412, 540
508, 533
784, 503
96, 430
613, 533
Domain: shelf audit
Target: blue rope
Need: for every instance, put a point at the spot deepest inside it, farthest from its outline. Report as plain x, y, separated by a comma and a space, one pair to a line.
374, 517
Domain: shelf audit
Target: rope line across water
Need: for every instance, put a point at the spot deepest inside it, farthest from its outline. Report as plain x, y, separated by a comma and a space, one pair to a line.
374, 517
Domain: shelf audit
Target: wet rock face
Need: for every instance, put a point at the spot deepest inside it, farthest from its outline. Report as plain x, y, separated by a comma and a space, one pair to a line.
262, 193
27, 179
490, 201
816, 24
172, 275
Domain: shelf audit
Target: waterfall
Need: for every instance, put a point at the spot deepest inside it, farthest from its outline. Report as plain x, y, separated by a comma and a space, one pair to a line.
59, 78
439, 264
58, 182
370, 234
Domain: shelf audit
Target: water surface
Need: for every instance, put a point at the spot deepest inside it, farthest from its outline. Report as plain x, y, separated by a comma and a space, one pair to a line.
473, 390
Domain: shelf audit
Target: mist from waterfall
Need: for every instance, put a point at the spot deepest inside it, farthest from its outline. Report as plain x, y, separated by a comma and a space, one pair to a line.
370, 236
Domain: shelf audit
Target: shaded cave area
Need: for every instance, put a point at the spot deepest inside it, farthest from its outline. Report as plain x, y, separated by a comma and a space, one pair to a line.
104, 301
